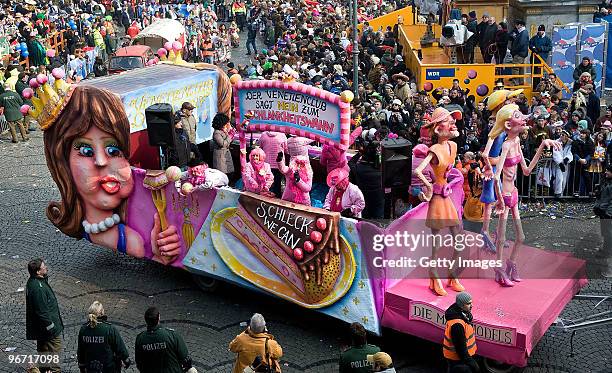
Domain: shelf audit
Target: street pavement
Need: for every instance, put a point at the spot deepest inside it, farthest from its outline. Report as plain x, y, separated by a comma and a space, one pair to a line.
81, 273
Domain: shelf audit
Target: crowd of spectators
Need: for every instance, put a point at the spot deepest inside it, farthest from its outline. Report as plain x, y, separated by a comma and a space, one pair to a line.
311, 41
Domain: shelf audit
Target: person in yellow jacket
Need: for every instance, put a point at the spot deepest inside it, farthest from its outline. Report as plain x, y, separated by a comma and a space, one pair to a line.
253, 342
99, 42
459, 344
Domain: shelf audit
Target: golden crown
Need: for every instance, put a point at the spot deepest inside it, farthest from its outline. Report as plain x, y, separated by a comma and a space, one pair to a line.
49, 100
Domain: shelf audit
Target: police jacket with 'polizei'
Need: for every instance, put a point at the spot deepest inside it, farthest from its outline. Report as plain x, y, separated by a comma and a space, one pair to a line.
161, 350
101, 346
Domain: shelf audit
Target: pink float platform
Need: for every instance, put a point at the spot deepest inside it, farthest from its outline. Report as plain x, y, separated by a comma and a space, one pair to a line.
509, 322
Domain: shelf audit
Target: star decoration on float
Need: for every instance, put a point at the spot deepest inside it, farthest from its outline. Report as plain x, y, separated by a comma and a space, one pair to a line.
194, 260
365, 319
349, 229
205, 252
361, 284
356, 301
345, 311
213, 267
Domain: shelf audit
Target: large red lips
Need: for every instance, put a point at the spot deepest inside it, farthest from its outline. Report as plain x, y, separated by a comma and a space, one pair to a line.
110, 184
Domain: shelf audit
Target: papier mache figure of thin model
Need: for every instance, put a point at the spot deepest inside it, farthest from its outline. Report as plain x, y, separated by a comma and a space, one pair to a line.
510, 120
441, 212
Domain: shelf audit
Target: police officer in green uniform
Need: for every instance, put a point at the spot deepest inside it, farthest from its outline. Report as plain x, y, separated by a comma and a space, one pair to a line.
100, 347
355, 359
159, 349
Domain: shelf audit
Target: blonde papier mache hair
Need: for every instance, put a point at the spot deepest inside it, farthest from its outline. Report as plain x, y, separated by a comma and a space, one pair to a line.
503, 115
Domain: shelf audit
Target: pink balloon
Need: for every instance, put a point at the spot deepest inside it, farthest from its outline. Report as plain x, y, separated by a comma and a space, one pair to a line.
177, 46
58, 73
50, 53
24, 109
162, 52
33, 83
27, 93
168, 45
42, 79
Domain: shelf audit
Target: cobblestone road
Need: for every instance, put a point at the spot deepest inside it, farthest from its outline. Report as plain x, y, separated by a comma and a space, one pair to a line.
81, 273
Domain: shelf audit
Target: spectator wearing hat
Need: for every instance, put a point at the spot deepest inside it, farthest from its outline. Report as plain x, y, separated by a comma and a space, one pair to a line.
398, 118
375, 72
459, 344
355, 359
586, 66
381, 362
541, 45
603, 209
519, 50
471, 23
398, 65
402, 89
343, 196
186, 120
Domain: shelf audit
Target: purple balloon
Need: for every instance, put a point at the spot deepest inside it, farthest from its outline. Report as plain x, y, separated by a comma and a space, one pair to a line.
472, 74
482, 90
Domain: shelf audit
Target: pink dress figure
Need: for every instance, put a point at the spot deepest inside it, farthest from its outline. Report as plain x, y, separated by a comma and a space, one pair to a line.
332, 157
298, 176
257, 175
513, 122
343, 196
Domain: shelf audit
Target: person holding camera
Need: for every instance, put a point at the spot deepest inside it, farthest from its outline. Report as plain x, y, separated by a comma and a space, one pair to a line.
603, 209
256, 349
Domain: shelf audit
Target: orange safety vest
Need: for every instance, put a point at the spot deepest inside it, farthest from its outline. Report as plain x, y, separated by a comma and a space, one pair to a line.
470, 340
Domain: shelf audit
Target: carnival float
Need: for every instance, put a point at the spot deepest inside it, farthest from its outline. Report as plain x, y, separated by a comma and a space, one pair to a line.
328, 260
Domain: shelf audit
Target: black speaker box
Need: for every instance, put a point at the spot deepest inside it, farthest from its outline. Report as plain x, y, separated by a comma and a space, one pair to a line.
396, 163
160, 125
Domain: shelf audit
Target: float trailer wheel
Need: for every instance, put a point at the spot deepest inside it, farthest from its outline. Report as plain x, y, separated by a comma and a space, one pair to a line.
494, 366
206, 284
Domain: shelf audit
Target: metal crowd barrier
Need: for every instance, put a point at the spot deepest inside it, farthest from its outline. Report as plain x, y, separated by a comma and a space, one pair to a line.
543, 182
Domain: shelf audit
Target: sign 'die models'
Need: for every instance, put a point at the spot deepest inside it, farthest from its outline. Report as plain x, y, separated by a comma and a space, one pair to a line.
295, 108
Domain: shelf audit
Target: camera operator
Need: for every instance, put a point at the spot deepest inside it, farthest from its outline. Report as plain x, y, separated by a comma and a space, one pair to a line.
255, 345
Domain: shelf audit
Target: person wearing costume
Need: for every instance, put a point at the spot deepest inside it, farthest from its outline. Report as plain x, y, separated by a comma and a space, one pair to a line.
257, 174
298, 176
490, 154
333, 157
272, 143
86, 143
513, 122
441, 212
343, 196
